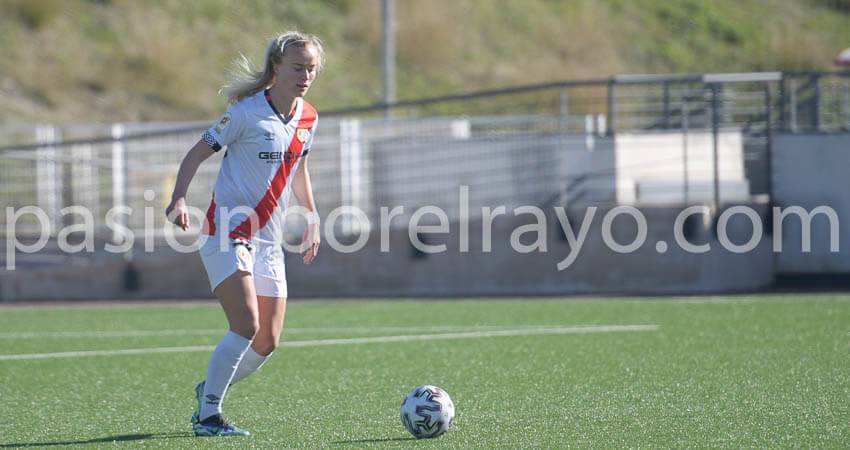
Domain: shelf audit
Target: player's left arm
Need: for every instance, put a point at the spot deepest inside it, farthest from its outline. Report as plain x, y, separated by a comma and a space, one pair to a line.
303, 191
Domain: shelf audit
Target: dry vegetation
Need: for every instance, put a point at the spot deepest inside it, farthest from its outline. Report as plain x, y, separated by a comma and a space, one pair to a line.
87, 60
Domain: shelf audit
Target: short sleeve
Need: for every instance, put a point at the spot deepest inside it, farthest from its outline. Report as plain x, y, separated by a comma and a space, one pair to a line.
309, 143
227, 129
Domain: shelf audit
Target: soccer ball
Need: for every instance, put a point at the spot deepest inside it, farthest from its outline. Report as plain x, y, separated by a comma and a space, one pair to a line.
427, 411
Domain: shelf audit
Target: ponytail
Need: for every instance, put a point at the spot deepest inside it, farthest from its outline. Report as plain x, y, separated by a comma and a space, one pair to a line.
246, 80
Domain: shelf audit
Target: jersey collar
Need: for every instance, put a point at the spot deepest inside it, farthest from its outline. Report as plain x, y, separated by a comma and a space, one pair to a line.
284, 119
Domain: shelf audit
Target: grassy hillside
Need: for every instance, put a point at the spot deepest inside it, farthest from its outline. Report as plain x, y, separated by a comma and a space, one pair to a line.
103, 60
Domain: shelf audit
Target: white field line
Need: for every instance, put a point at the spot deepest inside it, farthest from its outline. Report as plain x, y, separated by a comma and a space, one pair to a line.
221, 331
207, 303
746, 299
110, 334
353, 341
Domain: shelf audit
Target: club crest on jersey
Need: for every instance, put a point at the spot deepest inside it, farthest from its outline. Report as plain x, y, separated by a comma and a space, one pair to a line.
302, 134
269, 135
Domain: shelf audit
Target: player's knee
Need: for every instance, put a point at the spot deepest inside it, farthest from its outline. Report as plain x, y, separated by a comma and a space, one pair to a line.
265, 348
266, 343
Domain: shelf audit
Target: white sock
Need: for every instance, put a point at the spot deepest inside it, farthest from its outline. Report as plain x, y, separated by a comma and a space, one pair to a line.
251, 362
223, 363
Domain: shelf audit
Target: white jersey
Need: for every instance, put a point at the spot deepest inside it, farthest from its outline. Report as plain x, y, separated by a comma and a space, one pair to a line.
263, 152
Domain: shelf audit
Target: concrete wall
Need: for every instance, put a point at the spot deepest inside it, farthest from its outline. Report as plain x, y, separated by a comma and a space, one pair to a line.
651, 168
589, 170
811, 170
675, 168
405, 272
512, 170
597, 270
164, 274
529, 169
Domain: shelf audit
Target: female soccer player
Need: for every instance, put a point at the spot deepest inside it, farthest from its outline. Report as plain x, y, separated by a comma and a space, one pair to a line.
268, 130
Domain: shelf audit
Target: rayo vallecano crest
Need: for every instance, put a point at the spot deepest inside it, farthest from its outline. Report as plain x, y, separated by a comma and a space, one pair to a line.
302, 134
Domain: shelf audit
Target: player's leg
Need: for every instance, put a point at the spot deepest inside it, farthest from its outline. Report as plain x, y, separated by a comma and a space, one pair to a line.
272, 314
270, 284
239, 301
272, 311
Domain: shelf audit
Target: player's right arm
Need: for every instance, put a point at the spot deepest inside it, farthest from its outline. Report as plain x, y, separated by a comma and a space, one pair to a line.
177, 212
221, 134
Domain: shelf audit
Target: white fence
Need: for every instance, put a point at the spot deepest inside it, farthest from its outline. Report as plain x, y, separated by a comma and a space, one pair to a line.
363, 163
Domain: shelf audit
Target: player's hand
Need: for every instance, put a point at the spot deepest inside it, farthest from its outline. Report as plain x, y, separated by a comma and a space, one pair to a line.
178, 213
311, 241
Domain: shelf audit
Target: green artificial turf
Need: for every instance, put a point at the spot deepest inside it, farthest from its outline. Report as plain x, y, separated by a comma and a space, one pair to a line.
748, 371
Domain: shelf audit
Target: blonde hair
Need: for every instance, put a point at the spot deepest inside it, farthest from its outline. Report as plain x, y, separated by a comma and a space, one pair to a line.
245, 80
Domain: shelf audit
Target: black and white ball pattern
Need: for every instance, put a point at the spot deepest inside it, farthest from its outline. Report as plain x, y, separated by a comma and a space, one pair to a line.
427, 411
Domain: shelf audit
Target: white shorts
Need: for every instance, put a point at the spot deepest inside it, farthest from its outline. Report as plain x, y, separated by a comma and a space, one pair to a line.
263, 261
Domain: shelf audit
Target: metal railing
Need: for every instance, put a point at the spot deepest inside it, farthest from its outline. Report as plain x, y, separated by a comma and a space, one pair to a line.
525, 145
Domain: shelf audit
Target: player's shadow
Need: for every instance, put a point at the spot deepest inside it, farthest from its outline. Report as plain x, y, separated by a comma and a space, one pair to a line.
118, 438
363, 441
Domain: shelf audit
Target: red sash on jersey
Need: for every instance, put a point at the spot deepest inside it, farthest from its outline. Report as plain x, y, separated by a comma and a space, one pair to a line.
265, 208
